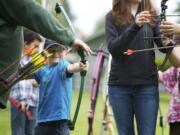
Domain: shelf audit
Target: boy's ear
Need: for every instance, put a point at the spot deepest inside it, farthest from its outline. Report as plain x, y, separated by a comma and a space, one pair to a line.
25, 44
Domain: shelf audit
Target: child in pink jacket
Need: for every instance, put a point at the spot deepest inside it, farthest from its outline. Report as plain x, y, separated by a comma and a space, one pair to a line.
171, 80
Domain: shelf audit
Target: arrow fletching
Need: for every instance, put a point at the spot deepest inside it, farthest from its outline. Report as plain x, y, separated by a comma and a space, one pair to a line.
129, 52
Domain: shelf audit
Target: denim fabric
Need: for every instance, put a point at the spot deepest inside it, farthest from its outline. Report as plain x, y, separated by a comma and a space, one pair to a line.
48, 128
20, 125
139, 101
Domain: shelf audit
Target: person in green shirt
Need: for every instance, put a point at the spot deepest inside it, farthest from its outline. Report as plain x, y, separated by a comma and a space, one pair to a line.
16, 14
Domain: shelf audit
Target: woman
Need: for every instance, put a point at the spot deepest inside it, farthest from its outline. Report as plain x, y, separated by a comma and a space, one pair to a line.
133, 82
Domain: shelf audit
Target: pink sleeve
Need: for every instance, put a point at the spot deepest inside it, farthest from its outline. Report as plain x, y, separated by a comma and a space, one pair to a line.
169, 78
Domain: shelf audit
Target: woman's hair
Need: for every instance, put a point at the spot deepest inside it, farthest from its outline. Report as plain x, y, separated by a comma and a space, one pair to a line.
121, 10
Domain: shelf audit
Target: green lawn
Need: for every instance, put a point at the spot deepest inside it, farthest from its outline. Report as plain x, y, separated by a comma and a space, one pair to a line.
82, 121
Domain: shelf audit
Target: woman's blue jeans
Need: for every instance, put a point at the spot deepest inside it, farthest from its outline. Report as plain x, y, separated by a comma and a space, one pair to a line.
141, 101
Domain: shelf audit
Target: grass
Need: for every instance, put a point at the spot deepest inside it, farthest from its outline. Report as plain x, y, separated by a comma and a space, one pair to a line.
82, 120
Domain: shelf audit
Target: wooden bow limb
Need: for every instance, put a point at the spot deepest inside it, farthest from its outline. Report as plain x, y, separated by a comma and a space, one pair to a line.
95, 87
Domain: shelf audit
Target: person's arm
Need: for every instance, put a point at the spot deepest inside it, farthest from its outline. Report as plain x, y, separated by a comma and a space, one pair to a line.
77, 67
160, 76
30, 14
118, 41
35, 83
175, 57
168, 78
169, 28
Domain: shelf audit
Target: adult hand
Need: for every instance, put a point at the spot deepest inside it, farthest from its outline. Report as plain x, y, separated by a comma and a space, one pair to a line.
169, 28
143, 17
80, 44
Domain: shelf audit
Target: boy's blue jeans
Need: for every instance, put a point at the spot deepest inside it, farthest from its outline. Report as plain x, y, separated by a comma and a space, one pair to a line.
53, 128
20, 125
141, 101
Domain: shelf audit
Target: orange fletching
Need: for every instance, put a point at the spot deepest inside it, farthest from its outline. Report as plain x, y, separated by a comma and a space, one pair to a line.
129, 52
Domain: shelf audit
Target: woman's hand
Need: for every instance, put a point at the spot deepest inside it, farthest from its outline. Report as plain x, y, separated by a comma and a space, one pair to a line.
143, 17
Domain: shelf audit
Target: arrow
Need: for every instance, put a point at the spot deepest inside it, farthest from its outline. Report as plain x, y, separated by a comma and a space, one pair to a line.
130, 52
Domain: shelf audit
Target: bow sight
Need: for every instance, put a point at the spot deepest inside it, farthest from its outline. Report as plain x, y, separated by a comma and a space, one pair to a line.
163, 10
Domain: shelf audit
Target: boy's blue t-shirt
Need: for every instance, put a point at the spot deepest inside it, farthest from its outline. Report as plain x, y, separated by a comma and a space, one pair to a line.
55, 94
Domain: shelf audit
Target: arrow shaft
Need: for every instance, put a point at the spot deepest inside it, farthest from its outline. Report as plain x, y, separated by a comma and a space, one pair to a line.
156, 48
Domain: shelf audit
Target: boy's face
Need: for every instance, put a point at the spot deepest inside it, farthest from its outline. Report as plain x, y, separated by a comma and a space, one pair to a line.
57, 54
35, 44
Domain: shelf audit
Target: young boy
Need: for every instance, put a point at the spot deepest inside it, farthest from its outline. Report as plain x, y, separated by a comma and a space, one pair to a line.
25, 92
55, 93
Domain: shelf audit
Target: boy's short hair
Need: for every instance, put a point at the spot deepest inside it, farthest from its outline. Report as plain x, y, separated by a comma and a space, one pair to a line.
30, 36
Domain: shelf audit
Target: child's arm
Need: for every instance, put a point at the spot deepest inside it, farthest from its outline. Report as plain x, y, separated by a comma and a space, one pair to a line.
160, 76
168, 78
77, 67
35, 83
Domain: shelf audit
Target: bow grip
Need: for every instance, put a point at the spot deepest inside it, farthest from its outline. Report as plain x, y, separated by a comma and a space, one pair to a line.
83, 59
70, 125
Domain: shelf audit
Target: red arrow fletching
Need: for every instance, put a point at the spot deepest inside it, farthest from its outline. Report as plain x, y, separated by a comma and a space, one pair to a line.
129, 52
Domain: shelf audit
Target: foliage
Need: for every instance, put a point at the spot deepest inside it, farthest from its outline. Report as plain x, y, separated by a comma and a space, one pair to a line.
159, 60
39, 1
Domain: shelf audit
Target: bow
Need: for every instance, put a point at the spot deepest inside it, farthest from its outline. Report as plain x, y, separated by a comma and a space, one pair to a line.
107, 127
106, 122
59, 9
95, 87
162, 16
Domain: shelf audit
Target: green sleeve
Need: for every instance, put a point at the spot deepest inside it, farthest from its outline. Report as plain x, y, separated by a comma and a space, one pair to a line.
30, 14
